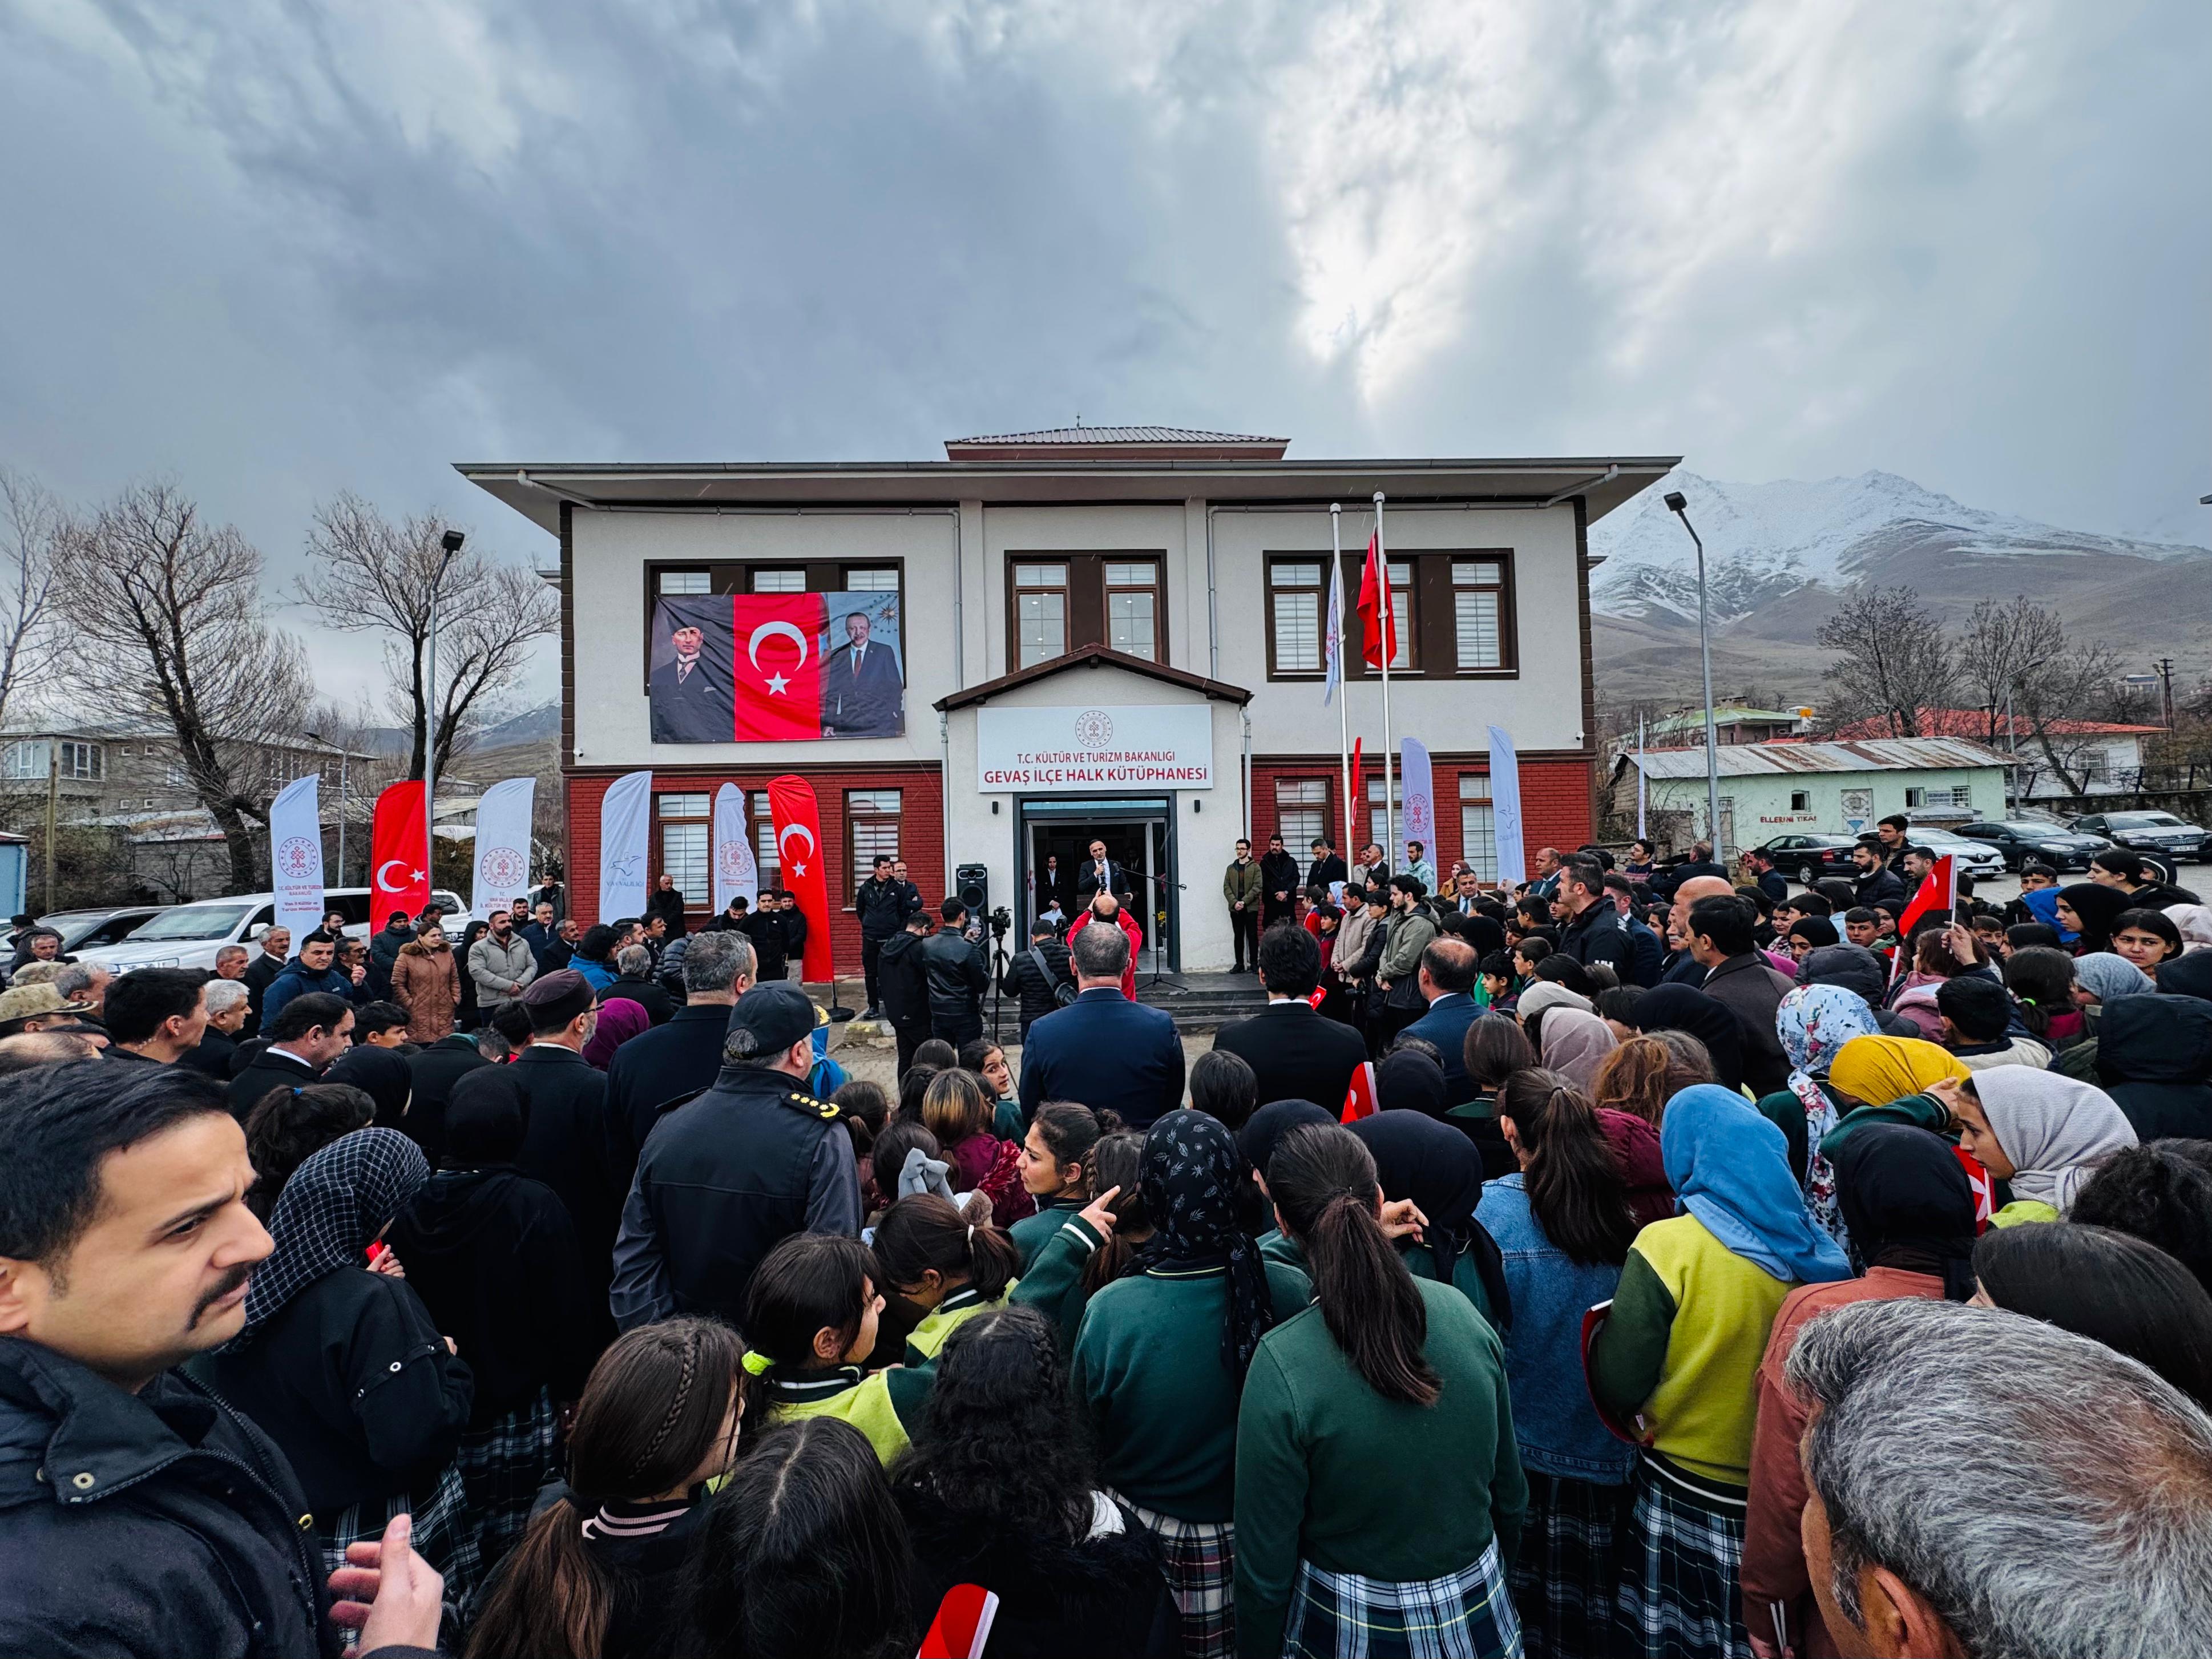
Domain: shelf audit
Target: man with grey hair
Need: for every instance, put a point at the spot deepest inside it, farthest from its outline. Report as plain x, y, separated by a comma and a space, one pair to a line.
726, 1176
1103, 1049
29, 1049
1985, 1484
85, 984
226, 1009
634, 979
673, 1062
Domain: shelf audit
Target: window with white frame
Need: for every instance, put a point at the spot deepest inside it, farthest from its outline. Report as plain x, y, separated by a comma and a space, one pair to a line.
26, 760
1296, 594
1478, 594
1301, 811
674, 582
871, 831
684, 850
872, 579
1040, 612
768, 581
1132, 595
765, 852
1478, 825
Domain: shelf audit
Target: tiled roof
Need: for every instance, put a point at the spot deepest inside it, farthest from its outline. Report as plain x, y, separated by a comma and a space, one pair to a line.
1973, 723
1116, 435
1753, 759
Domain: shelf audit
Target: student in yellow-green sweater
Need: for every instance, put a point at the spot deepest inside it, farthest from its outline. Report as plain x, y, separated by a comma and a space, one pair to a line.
929, 1252
1677, 1359
811, 1320
1379, 1490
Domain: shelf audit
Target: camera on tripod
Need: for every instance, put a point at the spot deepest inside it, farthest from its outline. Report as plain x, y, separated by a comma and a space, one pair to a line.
1001, 920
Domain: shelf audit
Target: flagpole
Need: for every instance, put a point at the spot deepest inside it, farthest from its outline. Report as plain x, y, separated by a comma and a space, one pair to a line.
1343, 690
1389, 615
1642, 833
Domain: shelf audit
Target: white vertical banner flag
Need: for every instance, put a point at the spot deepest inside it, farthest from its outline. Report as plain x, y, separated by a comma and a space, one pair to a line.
504, 819
625, 825
1505, 807
737, 873
1331, 643
1418, 797
295, 855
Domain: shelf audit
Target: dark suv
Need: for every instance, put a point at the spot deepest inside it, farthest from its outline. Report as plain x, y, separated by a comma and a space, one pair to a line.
2019, 840
2145, 832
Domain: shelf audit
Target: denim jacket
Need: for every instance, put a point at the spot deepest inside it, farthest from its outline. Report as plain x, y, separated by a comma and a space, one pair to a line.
1553, 1420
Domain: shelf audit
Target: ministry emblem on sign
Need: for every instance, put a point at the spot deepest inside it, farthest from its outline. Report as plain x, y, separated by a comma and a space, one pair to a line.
503, 866
1094, 728
730, 861
295, 857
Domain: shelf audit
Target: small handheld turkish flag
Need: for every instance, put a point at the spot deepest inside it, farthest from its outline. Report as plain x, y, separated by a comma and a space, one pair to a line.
963, 1624
397, 879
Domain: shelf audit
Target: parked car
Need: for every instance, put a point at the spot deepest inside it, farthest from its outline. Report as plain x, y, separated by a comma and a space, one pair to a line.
2145, 832
1972, 857
190, 935
2018, 840
1807, 859
88, 930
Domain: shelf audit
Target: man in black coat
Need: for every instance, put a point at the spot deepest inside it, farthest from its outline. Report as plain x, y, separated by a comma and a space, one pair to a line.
568, 1146
764, 927
1294, 1052
958, 977
862, 690
276, 951
689, 702
1771, 882
1097, 871
1877, 882
308, 1033
432, 1071
636, 982
1033, 977
1103, 1050
138, 1513
1721, 939
795, 932
666, 901
880, 904
903, 976
1278, 885
1326, 866
658, 1068
1591, 931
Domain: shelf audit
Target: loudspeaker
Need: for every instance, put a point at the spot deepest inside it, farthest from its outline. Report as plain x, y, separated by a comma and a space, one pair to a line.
971, 885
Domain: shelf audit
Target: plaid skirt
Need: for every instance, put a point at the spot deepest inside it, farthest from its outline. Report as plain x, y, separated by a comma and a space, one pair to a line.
1681, 1567
1199, 1558
1342, 1615
444, 1535
502, 1469
1567, 1574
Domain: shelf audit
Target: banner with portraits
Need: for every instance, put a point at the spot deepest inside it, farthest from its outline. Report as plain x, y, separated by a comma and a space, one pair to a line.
776, 668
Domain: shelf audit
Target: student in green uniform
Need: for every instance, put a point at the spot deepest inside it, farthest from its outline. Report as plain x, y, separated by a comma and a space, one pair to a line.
1677, 1359
1257, 1141
1055, 1171
1094, 1246
811, 1317
930, 1254
1494, 1047
1436, 1170
1162, 1356
1379, 1491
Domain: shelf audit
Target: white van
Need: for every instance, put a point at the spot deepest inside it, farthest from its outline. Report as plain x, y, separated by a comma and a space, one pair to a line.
190, 935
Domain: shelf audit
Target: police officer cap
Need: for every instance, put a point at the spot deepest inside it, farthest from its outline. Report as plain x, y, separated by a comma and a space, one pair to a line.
564, 994
768, 1019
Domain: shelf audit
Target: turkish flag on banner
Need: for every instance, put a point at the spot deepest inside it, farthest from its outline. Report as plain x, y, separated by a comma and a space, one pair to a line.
805, 870
1377, 615
779, 665
396, 879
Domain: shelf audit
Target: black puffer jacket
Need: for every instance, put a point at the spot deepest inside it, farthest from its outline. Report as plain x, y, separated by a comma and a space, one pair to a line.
904, 979
2154, 1059
158, 1522
1038, 992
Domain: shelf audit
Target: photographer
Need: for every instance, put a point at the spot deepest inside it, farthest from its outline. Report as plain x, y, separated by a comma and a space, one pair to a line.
1034, 978
954, 962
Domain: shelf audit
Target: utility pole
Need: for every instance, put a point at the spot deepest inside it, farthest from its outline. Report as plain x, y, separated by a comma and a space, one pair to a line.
53, 810
2165, 666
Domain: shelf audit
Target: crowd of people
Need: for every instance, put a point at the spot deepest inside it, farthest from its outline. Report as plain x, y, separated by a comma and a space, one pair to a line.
1633, 1263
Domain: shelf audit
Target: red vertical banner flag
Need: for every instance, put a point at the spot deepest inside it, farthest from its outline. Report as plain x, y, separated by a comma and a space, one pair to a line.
1378, 621
1353, 841
778, 661
806, 867
396, 879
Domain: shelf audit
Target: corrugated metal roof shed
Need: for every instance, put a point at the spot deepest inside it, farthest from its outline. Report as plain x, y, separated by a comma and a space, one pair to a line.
1743, 760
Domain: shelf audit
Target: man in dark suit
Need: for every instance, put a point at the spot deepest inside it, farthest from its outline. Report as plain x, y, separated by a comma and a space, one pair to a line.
670, 1062
1052, 888
1101, 871
276, 951
1326, 866
305, 1036
690, 703
1447, 980
1103, 1050
432, 1070
1294, 1052
566, 1144
863, 692
1720, 941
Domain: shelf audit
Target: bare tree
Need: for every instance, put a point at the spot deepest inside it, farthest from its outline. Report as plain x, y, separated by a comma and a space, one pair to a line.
2016, 660
1999, 651
33, 525
169, 625
374, 576
1896, 661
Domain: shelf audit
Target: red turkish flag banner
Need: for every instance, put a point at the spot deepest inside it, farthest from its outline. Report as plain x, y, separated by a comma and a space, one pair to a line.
1360, 1098
1377, 616
397, 877
778, 660
805, 867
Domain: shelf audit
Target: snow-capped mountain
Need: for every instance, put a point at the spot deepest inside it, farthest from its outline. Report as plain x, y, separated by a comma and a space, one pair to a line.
1765, 541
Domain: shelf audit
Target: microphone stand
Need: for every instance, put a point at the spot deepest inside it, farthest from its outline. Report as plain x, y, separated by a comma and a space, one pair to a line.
1160, 918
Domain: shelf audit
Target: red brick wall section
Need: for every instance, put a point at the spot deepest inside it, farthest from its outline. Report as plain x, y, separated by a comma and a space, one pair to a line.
922, 833
1555, 805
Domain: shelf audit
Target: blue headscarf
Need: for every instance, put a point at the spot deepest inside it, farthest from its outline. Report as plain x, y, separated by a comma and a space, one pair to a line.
1731, 1168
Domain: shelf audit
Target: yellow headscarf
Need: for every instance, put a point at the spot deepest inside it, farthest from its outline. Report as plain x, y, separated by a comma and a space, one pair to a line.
1877, 1070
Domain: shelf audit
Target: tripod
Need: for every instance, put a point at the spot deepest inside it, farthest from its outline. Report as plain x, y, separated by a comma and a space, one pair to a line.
1159, 920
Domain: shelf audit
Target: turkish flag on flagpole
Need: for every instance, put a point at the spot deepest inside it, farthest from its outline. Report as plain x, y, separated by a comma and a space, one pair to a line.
396, 879
805, 867
1377, 616
778, 662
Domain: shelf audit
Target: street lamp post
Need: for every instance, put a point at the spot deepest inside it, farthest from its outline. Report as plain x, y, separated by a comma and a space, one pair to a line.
1677, 504
451, 542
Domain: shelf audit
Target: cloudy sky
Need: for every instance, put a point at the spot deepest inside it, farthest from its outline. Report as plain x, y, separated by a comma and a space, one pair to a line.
280, 249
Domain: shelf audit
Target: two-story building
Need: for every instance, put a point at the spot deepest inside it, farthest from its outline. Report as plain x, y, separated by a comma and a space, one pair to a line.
1114, 633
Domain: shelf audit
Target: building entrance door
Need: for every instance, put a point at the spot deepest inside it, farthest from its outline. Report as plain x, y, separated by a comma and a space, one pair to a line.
1052, 851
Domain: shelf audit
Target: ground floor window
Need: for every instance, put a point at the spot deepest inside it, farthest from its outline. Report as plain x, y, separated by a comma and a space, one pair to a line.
1301, 811
871, 831
684, 851
1478, 825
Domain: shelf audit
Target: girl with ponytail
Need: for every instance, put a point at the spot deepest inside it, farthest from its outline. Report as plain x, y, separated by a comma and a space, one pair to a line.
810, 1315
1377, 1481
1564, 1226
596, 1575
951, 1269
1056, 1170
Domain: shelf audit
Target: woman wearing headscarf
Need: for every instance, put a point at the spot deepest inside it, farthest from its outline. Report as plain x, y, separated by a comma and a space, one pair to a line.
2194, 923
1909, 1211
342, 1366
2041, 1134
1160, 1360
1685, 1008
1544, 994
1811, 933
1408, 1080
620, 1019
1677, 1359
1437, 1169
1256, 1143
1576, 1045
1815, 1022
382, 1074
493, 1257
2107, 976
2090, 908
1890, 1080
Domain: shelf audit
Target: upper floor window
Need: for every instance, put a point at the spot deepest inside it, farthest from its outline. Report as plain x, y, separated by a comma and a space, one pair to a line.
1452, 611
1058, 604
81, 762
1296, 592
1040, 613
